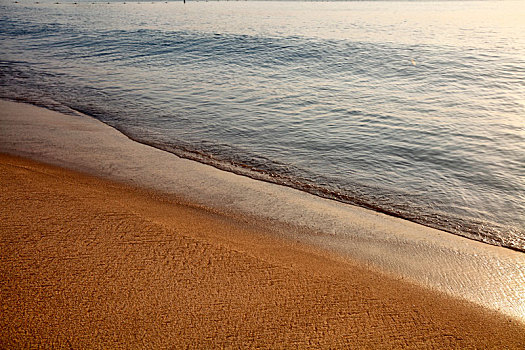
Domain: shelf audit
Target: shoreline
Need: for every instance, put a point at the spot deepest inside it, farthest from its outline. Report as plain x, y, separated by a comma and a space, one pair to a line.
307, 187
87, 262
474, 271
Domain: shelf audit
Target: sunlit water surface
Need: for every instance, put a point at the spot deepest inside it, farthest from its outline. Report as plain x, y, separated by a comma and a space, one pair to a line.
416, 109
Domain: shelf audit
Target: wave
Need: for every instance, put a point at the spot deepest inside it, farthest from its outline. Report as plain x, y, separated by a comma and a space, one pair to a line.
425, 132
263, 169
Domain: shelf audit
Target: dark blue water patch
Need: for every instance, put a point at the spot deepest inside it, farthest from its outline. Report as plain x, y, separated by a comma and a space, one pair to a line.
308, 57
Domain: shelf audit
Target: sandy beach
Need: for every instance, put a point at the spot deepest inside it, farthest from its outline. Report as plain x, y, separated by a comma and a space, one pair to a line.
88, 263
157, 252
270, 175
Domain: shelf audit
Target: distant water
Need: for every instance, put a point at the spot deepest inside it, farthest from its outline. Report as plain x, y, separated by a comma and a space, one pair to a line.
415, 109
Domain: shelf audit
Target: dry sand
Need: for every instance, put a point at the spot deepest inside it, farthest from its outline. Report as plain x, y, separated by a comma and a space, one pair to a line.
87, 263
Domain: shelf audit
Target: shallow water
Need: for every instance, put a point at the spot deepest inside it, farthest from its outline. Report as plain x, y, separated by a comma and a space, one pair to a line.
415, 109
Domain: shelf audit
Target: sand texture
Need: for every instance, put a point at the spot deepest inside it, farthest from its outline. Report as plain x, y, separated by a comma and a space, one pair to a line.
87, 263
487, 275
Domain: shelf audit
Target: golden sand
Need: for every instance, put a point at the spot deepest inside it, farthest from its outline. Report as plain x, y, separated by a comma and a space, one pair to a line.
87, 263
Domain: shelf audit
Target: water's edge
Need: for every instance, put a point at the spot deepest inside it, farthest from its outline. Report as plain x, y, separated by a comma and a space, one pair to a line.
283, 180
487, 275
383, 106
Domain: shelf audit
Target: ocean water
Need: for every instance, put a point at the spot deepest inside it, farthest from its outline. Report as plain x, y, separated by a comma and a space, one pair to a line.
415, 109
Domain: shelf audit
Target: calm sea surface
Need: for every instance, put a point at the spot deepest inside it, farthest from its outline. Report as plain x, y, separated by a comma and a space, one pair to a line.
416, 109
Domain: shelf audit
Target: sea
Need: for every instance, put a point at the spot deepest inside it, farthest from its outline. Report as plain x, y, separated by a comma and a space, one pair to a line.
415, 109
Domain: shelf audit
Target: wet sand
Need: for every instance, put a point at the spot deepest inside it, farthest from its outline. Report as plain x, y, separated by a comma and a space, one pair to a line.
89, 263
486, 275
